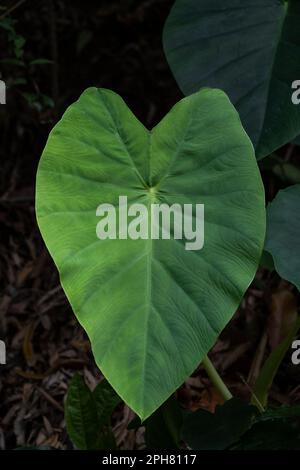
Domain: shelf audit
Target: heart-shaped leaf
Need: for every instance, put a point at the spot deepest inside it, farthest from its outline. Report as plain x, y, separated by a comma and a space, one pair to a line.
151, 308
248, 48
283, 233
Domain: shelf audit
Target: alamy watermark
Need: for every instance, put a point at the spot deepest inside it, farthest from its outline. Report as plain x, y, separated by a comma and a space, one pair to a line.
152, 221
296, 93
2, 92
2, 352
296, 353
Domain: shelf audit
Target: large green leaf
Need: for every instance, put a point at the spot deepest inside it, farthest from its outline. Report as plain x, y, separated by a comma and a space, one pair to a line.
283, 233
151, 308
248, 48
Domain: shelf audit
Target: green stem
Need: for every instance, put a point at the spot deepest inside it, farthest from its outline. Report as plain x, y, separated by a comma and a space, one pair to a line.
216, 379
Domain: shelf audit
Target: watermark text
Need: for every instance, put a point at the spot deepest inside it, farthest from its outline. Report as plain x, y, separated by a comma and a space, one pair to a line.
2, 352
153, 221
2, 92
296, 93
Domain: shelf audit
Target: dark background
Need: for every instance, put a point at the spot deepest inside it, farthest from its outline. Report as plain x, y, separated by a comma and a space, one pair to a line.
50, 51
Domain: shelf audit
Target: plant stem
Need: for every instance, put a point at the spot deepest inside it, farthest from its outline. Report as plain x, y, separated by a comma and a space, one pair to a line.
216, 379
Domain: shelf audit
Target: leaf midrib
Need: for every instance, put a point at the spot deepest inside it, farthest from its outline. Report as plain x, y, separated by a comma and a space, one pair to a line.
149, 244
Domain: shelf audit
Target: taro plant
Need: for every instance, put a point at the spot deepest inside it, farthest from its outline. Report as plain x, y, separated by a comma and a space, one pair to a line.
151, 308
283, 238
88, 414
249, 49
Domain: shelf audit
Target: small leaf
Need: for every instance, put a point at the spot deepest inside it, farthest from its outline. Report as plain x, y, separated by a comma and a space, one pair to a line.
106, 439
81, 415
106, 401
148, 304
217, 431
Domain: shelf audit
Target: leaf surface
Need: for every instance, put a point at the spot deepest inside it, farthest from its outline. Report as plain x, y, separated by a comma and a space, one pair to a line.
251, 50
151, 308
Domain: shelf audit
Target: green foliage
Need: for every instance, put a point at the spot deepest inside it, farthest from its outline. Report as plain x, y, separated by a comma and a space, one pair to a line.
249, 49
283, 229
151, 308
88, 414
237, 425
276, 429
203, 430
